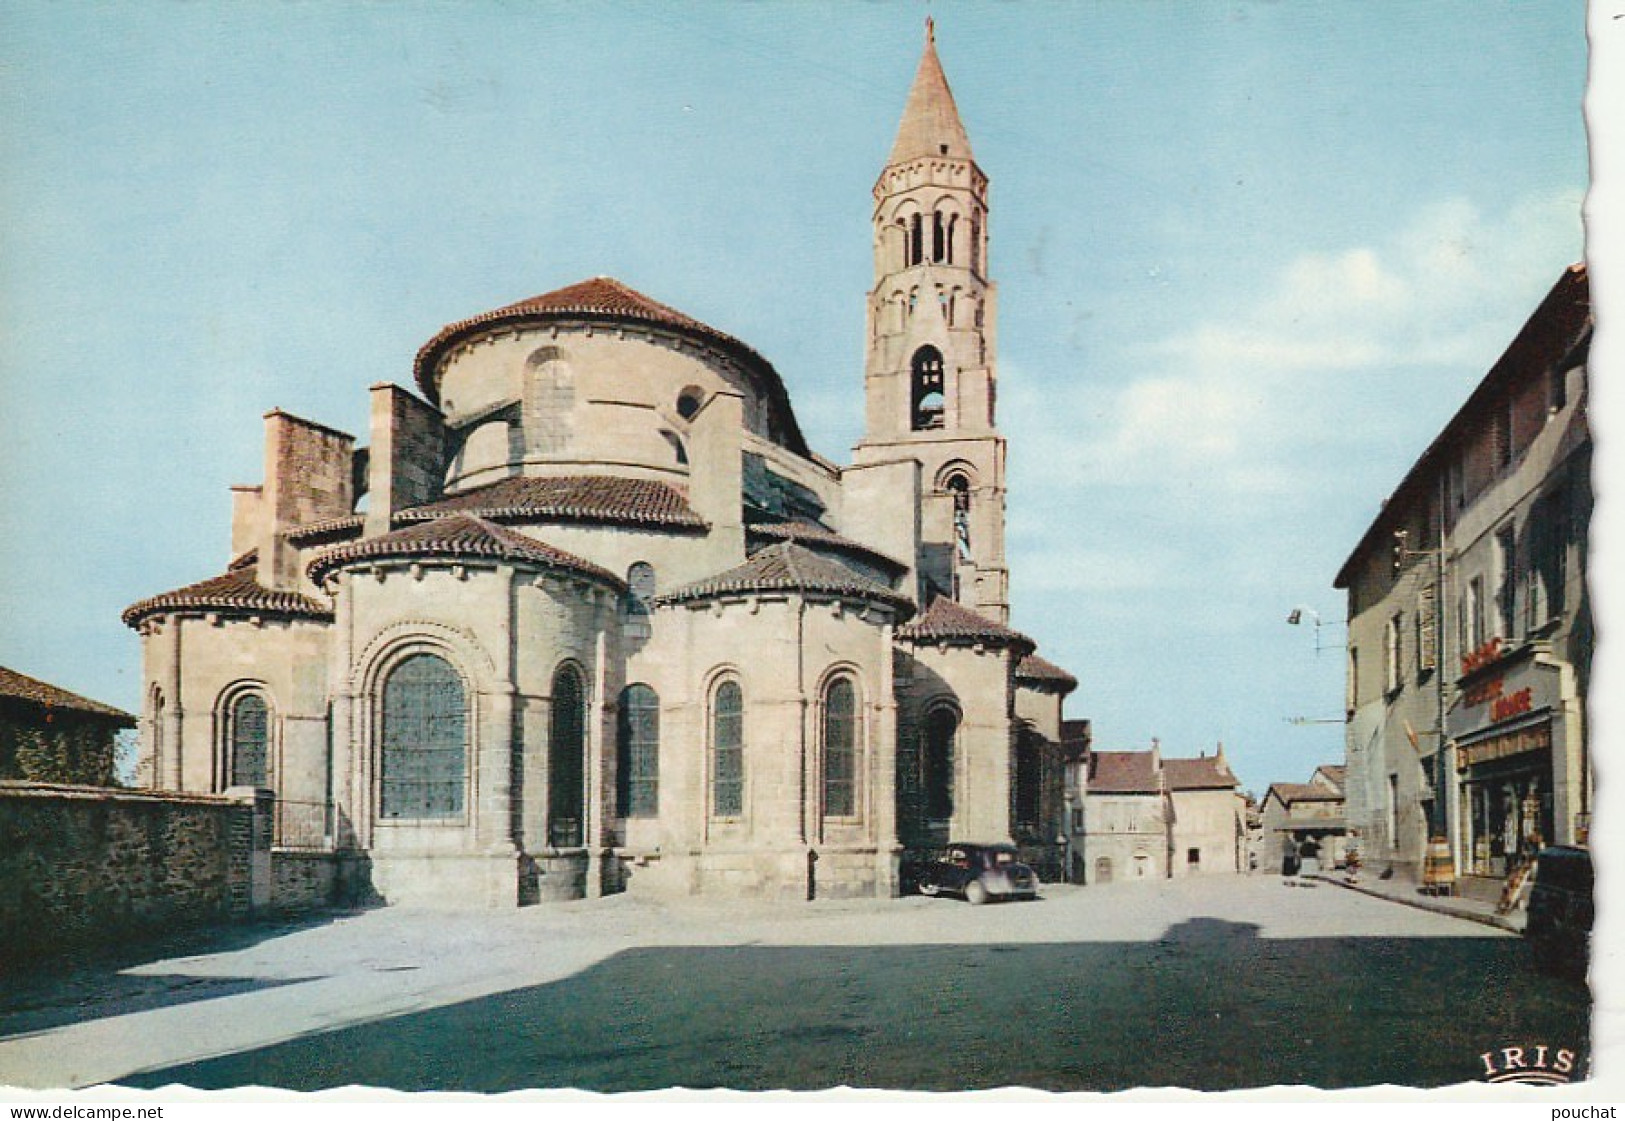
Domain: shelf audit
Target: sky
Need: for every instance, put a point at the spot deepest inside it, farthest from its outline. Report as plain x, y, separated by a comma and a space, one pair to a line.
1251, 257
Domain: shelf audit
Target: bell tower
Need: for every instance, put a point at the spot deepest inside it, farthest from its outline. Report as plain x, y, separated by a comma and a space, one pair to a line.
929, 381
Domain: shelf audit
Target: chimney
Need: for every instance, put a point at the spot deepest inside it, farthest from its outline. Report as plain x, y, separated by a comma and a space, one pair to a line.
307, 479
406, 462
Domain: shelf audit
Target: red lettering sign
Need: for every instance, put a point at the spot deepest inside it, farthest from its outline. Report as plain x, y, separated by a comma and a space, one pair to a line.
1513, 704
1481, 657
1483, 692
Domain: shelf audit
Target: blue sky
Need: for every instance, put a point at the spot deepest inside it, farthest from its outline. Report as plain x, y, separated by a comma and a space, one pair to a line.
1250, 256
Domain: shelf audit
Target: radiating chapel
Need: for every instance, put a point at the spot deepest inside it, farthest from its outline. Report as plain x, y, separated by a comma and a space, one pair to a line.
586, 614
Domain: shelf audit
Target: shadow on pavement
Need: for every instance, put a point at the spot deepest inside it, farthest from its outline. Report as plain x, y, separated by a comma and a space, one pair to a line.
1209, 1005
91, 984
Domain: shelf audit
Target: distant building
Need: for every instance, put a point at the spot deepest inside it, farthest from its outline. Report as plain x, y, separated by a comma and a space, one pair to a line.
1300, 819
1139, 816
1470, 631
48, 734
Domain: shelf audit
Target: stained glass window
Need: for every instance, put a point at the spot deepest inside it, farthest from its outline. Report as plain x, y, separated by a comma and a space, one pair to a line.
638, 753
424, 740
248, 739
728, 751
840, 748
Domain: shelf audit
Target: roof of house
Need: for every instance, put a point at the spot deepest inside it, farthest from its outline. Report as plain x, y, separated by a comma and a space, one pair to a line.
1557, 331
1123, 772
605, 499
815, 535
458, 536
1289, 792
1042, 672
1335, 773
949, 622
20, 688
788, 567
237, 592
604, 299
1207, 772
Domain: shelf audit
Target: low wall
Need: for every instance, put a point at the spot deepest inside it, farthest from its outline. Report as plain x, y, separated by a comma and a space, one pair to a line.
81, 866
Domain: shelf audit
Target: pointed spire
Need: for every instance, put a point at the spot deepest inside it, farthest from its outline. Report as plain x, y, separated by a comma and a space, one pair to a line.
931, 125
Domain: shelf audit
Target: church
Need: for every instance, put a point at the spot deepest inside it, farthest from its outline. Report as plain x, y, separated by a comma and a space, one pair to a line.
585, 613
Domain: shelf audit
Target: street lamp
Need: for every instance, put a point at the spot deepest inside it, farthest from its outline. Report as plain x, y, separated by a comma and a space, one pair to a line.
1295, 617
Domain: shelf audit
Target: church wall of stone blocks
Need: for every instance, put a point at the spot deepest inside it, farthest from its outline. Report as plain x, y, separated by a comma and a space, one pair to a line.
584, 613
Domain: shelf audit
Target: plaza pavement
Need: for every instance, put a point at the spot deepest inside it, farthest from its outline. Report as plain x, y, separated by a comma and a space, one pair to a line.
285, 983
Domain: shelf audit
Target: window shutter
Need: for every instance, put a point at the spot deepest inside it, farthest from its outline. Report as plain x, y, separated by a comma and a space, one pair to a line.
1427, 628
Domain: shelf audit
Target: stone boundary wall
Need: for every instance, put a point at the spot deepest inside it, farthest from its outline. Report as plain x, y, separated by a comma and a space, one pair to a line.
83, 866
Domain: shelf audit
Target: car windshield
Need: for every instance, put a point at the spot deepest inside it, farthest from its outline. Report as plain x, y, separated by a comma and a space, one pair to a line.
1000, 858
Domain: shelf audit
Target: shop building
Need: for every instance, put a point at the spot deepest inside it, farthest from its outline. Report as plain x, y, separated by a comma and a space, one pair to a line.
1470, 632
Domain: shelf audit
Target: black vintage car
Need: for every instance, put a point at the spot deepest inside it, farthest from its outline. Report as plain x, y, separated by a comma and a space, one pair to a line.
977, 872
1561, 908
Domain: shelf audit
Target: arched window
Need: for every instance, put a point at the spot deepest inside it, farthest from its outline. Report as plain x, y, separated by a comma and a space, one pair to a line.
640, 589
953, 222
689, 401
1029, 780
566, 770
247, 739
840, 748
916, 236
958, 485
927, 396
637, 753
423, 740
941, 726
939, 231
156, 777
728, 751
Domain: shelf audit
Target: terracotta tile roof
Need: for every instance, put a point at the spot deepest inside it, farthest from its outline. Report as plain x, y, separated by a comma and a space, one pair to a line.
238, 591
1041, 672
578, 498
19, 687
788, 567
313, 533
815, 535
247, 559
608, 300
947, 621
1290, 792
1208, 772
1123, 772
454, 536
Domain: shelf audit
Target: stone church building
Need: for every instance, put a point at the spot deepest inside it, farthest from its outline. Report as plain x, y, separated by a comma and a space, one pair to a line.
586, 613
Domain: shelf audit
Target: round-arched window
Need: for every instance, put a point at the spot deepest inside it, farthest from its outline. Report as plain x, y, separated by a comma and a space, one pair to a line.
248, 741
840, 748
423, 740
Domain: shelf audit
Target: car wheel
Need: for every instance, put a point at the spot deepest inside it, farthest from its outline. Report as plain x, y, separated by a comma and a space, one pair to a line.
975, 893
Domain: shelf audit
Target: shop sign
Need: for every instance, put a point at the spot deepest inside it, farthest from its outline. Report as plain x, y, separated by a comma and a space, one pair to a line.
1485, 655
1518, 688
1521, 742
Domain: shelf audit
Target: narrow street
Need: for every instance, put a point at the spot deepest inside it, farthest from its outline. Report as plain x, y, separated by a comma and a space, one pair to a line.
1213, 983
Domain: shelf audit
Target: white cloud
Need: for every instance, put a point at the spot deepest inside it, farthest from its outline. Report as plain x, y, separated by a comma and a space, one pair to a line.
1230, 403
